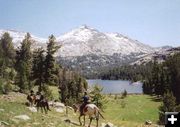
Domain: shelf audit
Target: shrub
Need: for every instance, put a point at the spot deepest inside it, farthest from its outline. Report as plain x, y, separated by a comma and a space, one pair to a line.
5, 87
97, 97
47, 92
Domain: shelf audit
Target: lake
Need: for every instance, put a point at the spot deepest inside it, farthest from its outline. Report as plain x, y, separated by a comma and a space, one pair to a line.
117, 86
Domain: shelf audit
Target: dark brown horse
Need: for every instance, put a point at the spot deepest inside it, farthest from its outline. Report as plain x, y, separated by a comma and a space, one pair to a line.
42, 103
90, 110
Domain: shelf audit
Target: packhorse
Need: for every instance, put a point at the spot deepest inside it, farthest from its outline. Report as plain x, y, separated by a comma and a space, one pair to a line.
90, 110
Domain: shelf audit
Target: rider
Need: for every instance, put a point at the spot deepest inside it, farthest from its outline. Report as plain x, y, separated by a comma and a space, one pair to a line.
31, 93
85, 102
41, 98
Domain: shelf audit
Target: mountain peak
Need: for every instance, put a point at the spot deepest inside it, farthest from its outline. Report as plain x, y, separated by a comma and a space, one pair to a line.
84, 27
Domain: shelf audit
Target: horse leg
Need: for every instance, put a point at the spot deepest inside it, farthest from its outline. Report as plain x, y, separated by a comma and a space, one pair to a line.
84, 121
97, 119
41, 107
90, 122
45, 107
45, 110
37, 105
80, 120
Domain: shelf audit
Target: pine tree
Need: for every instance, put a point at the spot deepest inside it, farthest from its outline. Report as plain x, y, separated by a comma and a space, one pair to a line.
24, 64
174, 72
7, 58
169, 104
38, 68
63, 85
7, 54
97, 98
50, 63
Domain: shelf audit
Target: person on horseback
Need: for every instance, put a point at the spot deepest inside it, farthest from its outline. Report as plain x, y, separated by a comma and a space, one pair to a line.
39, 97
41, 101
31, 93
85, 99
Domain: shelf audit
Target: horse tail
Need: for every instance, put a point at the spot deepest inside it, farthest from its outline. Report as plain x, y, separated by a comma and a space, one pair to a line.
101, 114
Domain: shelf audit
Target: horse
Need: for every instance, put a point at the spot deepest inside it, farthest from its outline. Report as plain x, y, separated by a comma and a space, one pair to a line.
41, 102
90, 110
31, 99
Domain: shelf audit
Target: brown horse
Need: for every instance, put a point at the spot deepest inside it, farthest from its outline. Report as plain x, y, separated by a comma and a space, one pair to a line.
31, 99
90, 110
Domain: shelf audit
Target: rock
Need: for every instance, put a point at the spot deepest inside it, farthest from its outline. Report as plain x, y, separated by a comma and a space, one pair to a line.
103, 124
148, 122
32, 109
107, 125
1, 110
51, 103
61, 110
23, 117
58, 104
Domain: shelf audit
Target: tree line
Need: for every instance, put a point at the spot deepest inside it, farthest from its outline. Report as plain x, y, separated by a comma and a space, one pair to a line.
161, 79
23, 68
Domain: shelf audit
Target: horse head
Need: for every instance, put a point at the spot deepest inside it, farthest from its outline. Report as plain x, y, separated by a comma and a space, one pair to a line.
75, 107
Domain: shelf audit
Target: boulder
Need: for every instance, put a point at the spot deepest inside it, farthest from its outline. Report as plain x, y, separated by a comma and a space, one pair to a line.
107, 125
148, 122
22, 117
59, 104
51, 103
61, 110
32, 109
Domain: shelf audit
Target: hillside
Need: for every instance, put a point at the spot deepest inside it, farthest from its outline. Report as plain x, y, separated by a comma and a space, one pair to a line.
138, 109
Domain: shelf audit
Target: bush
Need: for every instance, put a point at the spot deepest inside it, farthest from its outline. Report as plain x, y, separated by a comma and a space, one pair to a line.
97, 97
47, 92
5, 87
178, 108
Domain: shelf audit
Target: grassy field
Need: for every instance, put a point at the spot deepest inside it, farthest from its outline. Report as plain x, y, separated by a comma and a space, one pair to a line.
132, 111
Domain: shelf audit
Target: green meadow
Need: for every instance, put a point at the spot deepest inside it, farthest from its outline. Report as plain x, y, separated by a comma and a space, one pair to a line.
131, 111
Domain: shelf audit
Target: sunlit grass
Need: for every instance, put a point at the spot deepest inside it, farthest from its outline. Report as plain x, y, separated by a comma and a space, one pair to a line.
132, 111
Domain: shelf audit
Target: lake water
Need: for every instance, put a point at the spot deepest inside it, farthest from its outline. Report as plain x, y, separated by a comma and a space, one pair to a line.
117, 86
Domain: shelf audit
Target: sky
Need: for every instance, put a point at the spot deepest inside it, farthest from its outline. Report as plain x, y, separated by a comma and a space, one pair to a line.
153, 22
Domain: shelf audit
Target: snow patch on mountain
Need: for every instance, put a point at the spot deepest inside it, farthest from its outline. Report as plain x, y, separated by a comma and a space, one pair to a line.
86, 40
17, 38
